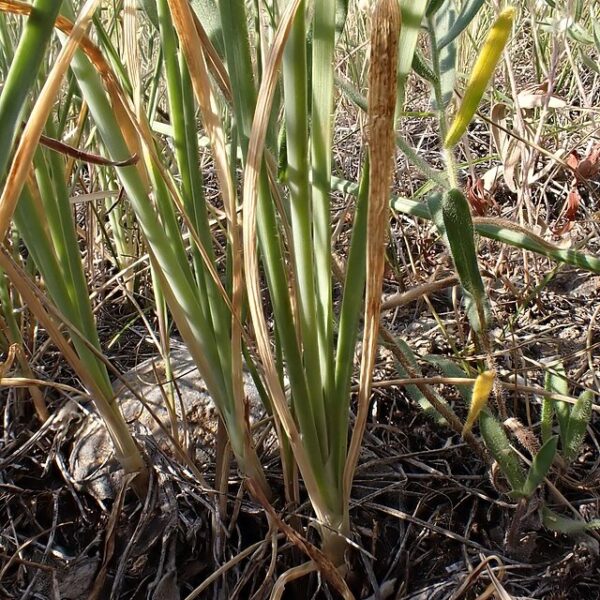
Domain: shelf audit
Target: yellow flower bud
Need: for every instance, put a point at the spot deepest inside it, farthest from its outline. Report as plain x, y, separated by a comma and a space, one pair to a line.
481, 392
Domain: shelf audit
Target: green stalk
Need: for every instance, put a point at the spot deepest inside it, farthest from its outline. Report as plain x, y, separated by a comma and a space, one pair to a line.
440, 106
323, 46
239, 62
24, 71
296, 116
349, 324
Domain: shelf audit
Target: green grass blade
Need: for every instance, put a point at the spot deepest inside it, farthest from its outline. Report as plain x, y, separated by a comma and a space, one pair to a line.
412, 16
469, 10
323, 45
349, 322
300, 205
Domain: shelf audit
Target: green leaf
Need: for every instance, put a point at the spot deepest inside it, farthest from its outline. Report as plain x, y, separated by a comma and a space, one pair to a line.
24, 71
581, 413
412, 16
434, 6
422, 68
461, 241
504, 233
540, 466
497, 443
149, 7
341, 13
208, 14
467, 13
444, 21
546, 419
555, 522
579, 34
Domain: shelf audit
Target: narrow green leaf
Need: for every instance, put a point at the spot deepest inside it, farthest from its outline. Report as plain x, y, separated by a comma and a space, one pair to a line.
469, 9
413, 391
149, 7
540, 466
341, 13
450, 369
434, 6
555, 381
546, 419
350, 314
422, 68
412, 16
444, 20
207, 12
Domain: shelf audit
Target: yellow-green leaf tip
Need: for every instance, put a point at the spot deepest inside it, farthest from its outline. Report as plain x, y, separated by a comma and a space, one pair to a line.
483, 70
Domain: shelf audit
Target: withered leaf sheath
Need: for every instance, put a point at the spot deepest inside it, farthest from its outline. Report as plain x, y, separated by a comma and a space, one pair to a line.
385, 33
381, 102
482, 73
